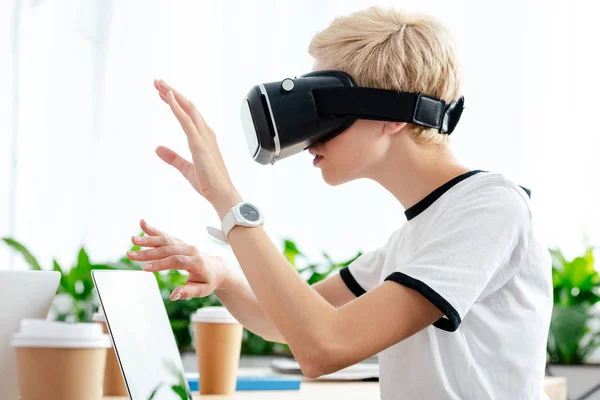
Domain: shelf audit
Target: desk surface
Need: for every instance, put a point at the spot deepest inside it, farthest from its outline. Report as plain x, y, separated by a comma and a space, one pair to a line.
556, 388
308, 390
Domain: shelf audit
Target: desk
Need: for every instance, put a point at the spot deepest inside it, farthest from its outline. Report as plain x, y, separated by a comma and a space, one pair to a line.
556, 388
308, 391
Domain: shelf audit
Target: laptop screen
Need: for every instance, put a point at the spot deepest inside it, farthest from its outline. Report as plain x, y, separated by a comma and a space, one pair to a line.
141, 334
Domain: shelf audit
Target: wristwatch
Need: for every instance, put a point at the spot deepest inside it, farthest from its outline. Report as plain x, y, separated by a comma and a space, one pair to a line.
244, 214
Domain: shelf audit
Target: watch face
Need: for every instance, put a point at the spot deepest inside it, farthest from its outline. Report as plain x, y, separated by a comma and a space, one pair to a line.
249, 212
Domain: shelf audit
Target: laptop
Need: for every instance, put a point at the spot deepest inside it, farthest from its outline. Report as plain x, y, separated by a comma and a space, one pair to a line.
23, 294
141, 333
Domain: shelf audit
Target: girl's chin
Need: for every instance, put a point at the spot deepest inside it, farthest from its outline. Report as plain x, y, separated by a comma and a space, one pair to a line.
332, 179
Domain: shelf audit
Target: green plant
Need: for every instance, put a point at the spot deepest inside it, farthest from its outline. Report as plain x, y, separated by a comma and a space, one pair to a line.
311, 271
76, 284
180, 388
576, 291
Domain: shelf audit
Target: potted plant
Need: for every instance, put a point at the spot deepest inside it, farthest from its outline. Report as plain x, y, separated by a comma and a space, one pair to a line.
574, 333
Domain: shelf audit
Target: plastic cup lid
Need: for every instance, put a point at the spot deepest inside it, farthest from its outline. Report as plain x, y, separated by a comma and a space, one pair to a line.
98, 317
215, 315
42, 333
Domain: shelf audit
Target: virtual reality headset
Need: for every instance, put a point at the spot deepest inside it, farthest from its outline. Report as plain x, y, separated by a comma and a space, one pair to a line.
286, 117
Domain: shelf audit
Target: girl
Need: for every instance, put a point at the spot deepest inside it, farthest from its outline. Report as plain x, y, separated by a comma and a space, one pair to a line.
457, 303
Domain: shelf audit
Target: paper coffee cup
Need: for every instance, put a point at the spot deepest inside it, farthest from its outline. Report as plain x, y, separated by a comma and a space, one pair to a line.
114, 384
60, 361
218, 340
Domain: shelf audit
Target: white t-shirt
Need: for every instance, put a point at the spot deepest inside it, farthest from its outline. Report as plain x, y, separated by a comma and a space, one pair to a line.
470, 247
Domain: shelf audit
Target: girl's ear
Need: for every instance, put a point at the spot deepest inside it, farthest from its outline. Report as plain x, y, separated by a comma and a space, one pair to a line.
391, 128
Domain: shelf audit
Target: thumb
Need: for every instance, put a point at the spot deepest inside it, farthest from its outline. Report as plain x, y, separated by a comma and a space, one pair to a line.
191, 290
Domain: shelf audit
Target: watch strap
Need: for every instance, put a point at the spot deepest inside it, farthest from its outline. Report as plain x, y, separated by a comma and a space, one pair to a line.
230, 221
216, 233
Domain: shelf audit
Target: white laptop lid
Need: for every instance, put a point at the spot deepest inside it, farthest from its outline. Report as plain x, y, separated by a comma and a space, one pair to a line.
141, 333
23, 294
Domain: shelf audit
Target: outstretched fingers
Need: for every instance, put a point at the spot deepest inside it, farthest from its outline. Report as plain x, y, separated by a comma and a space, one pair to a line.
191, 290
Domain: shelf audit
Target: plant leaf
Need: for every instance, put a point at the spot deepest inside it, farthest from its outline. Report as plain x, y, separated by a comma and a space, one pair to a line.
29, 258
581, 273
151, 397
589, 255
576, 281
80, 279
557, 278
589, 347
181, 392
83, 260
291, 252
350, 261
64, 283
311, 267
316, 277
567, 328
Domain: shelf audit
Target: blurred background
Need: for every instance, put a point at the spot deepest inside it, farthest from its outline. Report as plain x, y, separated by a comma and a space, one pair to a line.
80, 118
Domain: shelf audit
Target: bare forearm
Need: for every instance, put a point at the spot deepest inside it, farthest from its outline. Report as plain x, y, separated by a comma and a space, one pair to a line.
300, 314
237, 295
239, 299
325, 338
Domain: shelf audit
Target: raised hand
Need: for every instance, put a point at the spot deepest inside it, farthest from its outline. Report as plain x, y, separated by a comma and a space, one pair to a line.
165, 252
207, 174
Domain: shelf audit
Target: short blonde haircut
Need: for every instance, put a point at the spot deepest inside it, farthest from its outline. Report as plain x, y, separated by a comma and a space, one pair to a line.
397, 50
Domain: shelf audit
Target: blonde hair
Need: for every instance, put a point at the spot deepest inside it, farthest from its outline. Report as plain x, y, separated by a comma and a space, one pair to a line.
397, 50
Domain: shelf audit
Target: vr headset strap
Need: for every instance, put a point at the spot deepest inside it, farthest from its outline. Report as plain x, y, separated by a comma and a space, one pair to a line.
388, 105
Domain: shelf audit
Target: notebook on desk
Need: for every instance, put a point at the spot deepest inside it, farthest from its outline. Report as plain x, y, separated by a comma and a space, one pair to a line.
249, 382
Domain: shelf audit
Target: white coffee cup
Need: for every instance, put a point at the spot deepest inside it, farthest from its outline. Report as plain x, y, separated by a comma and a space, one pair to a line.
60, 361
218, 340
216, 315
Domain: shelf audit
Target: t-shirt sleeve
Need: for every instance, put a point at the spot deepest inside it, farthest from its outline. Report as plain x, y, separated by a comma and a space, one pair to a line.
365, 272
474, 248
